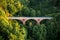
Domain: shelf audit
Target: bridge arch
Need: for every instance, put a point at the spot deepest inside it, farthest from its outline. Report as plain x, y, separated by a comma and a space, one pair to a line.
31, 22
24, 19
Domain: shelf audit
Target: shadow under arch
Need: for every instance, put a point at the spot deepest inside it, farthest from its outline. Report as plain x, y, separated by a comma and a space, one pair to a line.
31, 22
45, 22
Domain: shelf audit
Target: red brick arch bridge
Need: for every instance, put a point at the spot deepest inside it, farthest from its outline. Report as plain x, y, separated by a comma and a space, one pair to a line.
24, 19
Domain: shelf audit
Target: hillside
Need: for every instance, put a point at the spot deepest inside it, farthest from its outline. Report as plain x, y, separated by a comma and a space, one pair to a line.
15, 30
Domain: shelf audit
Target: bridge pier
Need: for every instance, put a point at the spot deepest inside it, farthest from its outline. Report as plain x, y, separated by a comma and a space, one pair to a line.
23, 20
38, 20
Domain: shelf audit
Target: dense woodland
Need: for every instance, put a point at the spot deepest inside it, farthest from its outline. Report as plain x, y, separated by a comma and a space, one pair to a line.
15, 30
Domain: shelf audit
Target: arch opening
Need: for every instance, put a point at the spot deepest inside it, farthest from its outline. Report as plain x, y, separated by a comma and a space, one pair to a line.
31, 22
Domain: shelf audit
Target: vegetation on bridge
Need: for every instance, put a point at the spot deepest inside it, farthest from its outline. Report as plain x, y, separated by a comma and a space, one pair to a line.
13, 30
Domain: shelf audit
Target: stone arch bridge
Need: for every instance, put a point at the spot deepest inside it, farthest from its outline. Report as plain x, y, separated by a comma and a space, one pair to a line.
24, 19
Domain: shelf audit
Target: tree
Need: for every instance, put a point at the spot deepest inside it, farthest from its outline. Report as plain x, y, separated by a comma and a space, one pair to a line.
25, 11
10, 30
12, 6
32, 13
37, 32
38, 13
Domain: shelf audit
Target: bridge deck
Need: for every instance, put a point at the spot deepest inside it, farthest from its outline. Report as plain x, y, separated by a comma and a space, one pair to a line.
30, 17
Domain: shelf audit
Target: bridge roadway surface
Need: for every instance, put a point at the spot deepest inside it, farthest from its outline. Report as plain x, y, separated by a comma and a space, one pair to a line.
24, 19
30, 17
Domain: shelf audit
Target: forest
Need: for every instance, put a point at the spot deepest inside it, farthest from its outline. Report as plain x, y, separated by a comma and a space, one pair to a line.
15, 30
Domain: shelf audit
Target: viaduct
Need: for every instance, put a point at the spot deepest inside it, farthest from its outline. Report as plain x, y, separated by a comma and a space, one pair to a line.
24, 19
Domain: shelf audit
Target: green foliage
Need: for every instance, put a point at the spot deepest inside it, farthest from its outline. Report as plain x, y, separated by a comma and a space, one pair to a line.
1, 38
51, 30
25, 11
12, 30
19, 32
32, 13
25, 2
37, 32
12, 6
12, 9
